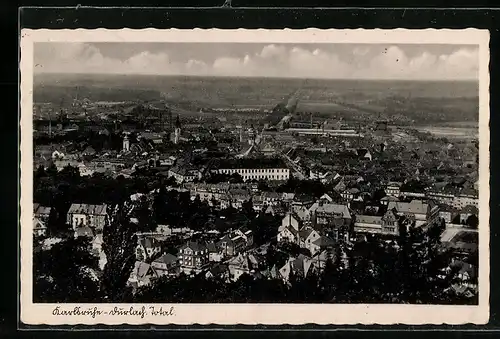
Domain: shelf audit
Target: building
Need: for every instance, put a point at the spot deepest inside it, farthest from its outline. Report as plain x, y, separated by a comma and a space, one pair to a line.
141, 274
167, 264
39, 227
393, 189
183, 174
386, 224
177, 131
416, 210
126, 144
93, 216
330, 215
271, 169
147, 247
193, 256
41, 212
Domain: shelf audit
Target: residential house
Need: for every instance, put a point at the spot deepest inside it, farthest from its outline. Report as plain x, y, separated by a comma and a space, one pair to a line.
147, 248
350, 194
84, 231
183, 174
387, 199
386, 224
93, 216
232, 244
238, 266
320, 258
141, 274
447, 213
289, 229
319, 244
42, 213
39, 227
467, 196
468, 211
193, 257
300, 266
307, 235
393, 189
98, 251
218, 271
246, 234
416, 210
214, 253
330, 216
167, 264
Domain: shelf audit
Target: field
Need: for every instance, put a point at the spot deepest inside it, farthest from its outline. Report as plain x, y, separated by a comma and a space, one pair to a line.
404, 102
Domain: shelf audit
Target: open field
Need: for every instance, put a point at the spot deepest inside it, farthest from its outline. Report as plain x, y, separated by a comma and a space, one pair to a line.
400, 101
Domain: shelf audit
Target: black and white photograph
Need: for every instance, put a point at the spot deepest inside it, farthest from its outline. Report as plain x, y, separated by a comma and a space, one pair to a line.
256, 172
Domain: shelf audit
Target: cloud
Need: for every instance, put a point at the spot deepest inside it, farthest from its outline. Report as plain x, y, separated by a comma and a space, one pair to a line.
366, 62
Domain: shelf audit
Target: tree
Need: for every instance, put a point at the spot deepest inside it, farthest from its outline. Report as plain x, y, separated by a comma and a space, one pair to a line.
119, 243
66, 273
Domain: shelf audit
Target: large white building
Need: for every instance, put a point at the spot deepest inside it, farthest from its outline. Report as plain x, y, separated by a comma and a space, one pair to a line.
255, 169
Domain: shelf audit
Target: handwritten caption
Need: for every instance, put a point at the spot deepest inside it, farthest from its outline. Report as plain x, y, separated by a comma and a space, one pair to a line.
133, 311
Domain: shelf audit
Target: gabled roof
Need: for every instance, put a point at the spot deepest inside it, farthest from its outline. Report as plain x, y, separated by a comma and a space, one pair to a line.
240, 261
141, 269
369, 219
148, 242
88, 209
415, 206
193, 245
469, 209
323, 241
334, 209
306, 232
84, 231
166, 259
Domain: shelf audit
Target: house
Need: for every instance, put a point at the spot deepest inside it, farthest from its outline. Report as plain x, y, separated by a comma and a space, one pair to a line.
307, 235
291, 220
289, 229
98, 251
468, 211
218, 271
246, 234
466, 273
300, 266
39, 227
319, 244
387, 199
386, 224
238, 266
167, 264
141, 274
393, 189
447, 213
41, 212
84, 231
183, 174
288, 234
147, 248
193, 256
231, 244
320, 258
93, 216
214, 253
330, 216
416, 210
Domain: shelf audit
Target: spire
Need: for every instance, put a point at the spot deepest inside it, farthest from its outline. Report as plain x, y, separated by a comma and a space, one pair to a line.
177, 122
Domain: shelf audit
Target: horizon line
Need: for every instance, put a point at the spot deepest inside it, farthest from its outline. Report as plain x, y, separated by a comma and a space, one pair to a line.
252, 77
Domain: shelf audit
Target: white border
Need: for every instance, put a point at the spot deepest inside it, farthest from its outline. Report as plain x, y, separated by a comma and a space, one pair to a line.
271, 314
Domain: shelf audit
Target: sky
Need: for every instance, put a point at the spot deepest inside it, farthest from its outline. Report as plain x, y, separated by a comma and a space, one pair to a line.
322, 61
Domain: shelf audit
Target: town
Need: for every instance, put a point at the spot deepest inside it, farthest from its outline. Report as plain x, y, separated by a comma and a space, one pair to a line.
137, 201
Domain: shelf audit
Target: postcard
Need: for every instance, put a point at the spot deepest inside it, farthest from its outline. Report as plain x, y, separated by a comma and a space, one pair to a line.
332, 177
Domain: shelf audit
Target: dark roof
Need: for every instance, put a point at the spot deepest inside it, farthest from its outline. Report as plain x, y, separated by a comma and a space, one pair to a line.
469, 209
249, 163
193, 245
166, 259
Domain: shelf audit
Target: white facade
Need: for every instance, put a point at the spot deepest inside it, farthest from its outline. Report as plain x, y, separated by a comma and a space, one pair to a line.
282, 174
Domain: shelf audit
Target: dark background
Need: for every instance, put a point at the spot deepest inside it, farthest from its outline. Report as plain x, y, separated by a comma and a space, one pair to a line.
212, 17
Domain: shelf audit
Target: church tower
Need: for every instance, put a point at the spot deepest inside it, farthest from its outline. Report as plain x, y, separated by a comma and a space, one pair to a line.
177, 132
126, 144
